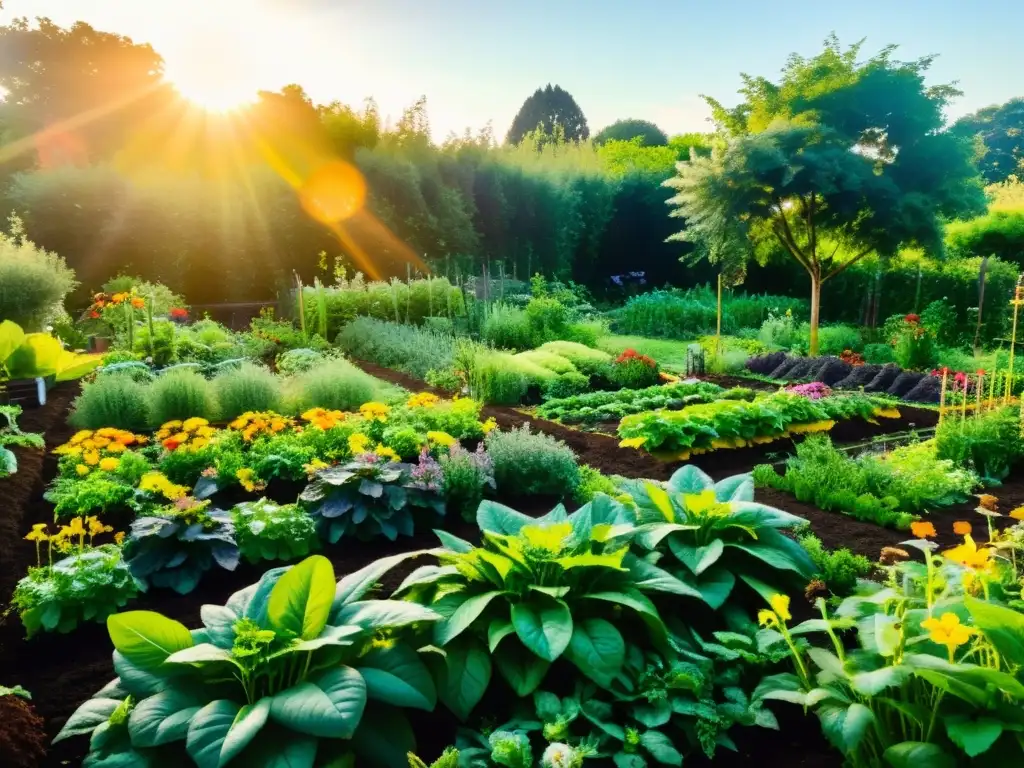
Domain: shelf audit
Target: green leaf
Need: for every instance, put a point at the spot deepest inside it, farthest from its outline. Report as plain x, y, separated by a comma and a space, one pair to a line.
916, 754
954, 679
146, 638
384, 738
628, 760
660, 747
247, 724
37, 355
1003, 627
697, 559
845, 726
396, 675
355, 585
11, 337
328, 706
523, 670
547, 705
208, 730
136, 680
873, 683
639, 602
92, 713
280, 749
653, 714
597, 649
201, 654
462, 618
735, 488
464, 676
498, 630
690, 479
650, 578
300, 602
162, 718
544, 626
497, 518
973, 736
384, 614
714, 585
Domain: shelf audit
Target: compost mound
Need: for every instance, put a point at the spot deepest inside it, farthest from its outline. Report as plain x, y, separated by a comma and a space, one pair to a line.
883, 379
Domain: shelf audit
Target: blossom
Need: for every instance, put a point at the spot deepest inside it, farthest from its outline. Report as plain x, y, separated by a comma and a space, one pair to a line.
988, 501
963, 528
323, 418
91, 457
780, 604
119, 298
947, 630
119, 538
632, 442
313, 467
157, 482
374, 411
558, 755
96, 526
423, 400
138, 303
440, 438
246, 477
109, 464
178, 313
923, 530
489, 425
358, 443
385, 453
191, 425
82, 470
1017, 513
38, 533
969, 555
912, 318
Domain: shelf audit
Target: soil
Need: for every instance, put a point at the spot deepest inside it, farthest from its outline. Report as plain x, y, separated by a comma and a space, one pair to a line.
61, 671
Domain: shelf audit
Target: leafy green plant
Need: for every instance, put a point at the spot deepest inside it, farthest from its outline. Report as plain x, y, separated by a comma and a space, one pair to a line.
593, 482
631, 370
549, 360
839, 568
298, 360
180, 394
287, 672
507, 327
718, 536
175, 547
88, 585
112, 400
465, 477
402, 347
566, 385
592, 362
11, 434
39, 355
268, 531
602, 406
33, 281
368, 497
335, 385
989, 443
98, 492
250, 387
531, 463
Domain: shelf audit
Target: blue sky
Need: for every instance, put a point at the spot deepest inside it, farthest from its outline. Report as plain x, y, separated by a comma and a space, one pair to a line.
477, 60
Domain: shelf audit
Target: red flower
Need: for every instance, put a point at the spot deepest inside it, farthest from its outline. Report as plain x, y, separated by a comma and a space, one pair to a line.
980, 372
177, 313
912, 318
94, 315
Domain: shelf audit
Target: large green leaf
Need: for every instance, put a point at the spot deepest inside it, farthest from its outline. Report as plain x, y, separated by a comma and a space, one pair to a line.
523, 670
714, 585
735, 488
660, 747
497, 518
544, 626
497, 631
874, 682
146, 638
396, 675
162, 718
639, 603
690, 479
954, 679
463, 617
329, 705
650, 578
973, 736
277, 748
384, 614
1003, 627
778, 551
300, 602
135, 680
916, 754
597, 649
87, 717
38, 355
697, 559
11, 337
384, 738
463, 677
246, 726
845, 726
72, 365
208, 730
355, 585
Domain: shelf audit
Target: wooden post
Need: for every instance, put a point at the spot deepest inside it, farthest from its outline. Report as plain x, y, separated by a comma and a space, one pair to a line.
718, 332
942, 394
992, 389
963, 405
302, 306
1018, 295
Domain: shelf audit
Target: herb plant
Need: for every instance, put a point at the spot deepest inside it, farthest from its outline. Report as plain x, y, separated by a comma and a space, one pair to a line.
10, 434
268, 531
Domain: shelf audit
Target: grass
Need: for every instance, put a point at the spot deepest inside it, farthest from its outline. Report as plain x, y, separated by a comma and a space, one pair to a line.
669, 354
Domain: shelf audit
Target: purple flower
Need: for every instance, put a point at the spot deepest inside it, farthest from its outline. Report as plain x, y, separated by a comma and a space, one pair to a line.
427, 473
815, 390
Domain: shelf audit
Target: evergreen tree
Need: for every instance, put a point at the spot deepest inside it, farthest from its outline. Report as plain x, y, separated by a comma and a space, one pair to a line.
547, 108
649, 134
998, 136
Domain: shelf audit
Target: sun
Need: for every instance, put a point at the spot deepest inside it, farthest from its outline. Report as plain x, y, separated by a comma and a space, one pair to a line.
212, 94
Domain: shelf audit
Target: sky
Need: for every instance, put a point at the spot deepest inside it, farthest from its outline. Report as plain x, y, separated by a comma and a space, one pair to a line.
476, 61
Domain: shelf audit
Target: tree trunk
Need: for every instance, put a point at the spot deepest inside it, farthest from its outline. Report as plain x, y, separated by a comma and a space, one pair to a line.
981, 303
815, 312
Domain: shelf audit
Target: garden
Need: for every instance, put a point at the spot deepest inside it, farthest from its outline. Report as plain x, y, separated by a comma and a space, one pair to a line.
458, 519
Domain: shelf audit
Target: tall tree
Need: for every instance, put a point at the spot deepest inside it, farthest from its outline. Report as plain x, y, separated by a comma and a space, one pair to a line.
997, 133
649, 134
547, 108
837, 161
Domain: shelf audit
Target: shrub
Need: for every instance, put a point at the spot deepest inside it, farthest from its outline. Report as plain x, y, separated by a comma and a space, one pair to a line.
507, 327
402, 347
444, 378
835, 339
589, 361
879, 354
335, 385
529, 463
549, 360
729, 362
180, 394
838, 568
566, 385
268, 531
33, 282
913, 343
249, 388
495, 378
465, 477
780, 332
548, 319
585, 333
632, 370
112, 400
989, 443
593, 482
298, 360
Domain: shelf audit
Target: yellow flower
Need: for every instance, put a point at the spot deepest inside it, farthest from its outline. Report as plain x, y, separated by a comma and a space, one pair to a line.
632, 442
947, 630
109, 464
780, 604
76, 528
119, 298
96, 526
489, 425
441, 438
423, 400
92, 458
80, 436
1017, 514
314, 466
969, 555
246, 478
38, 533
386, 453
171, 426
923, 530
374, 411
119, 538
82, 470
358, 443
766, 618
191, 425
116, 448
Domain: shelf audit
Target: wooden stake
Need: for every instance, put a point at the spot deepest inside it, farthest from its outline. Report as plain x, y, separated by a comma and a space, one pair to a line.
981, 390
1017, 296
718, 333
942, 394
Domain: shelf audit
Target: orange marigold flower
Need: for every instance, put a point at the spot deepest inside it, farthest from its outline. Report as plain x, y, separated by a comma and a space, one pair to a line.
923, 530
138, 303
988, 501
962, 528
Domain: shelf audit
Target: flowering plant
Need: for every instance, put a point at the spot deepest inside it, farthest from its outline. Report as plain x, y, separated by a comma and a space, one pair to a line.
631, 370
193, 434
814, 390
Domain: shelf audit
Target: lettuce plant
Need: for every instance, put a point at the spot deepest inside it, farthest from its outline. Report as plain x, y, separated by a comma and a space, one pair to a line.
366, 498
717, 536
268, 531
536, 591
174, 548
86, 586
287, 673
12, 435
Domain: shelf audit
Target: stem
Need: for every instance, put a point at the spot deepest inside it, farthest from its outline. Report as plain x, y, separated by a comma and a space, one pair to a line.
935, 713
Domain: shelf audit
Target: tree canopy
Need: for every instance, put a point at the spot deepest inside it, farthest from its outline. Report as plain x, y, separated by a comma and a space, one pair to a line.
649, 134
548, 109
997, 135
836, 161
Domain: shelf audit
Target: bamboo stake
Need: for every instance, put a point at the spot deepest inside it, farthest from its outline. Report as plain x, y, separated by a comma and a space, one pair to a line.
942, 394
1017, 300
963, 405
992, 388
718, 332
981, 390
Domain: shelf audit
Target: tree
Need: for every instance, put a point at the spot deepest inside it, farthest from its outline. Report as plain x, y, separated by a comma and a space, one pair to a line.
837, 161
547, 108
997, 135
649, 134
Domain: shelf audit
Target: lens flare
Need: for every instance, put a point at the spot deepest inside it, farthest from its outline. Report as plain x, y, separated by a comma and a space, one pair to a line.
333, 192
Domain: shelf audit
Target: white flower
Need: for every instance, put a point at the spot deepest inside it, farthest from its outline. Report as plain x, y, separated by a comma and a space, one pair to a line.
558, 755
